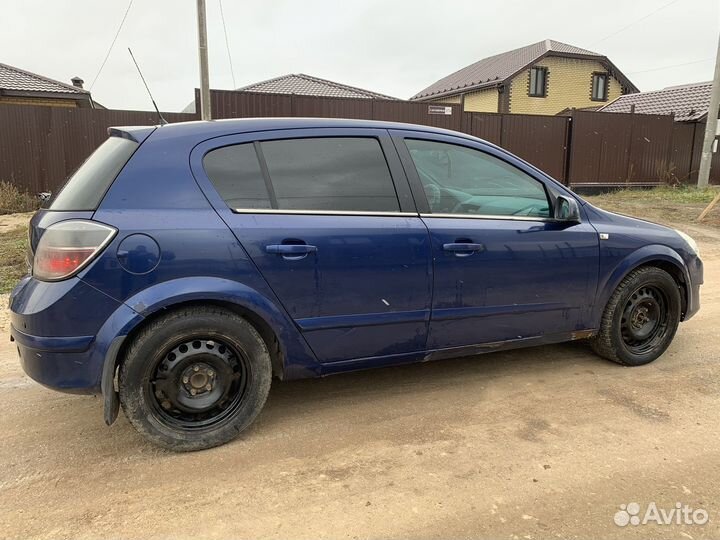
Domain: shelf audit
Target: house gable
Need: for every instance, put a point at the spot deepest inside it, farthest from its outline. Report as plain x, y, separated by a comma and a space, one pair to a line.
569, 84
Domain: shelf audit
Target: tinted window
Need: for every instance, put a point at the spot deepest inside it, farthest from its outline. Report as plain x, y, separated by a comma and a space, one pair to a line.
343, 174
460, 180
235, 172
86, 187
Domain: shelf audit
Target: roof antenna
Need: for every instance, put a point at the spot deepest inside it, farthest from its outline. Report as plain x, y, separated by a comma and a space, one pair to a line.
162, 120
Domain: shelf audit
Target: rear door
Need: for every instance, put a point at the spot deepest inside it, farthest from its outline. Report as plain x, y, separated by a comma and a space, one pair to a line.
328, 218
504, 269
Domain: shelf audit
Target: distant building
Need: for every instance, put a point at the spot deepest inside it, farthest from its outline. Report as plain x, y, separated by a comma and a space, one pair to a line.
689, 102
542, 78
20, 87
305, 85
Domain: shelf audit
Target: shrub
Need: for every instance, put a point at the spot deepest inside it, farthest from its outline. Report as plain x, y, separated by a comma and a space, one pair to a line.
13, 201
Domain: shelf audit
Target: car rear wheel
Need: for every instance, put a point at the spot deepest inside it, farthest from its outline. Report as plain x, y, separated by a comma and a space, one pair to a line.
195, 378
640, 319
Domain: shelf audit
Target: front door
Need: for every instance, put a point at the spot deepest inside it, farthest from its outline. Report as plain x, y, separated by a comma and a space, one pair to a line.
325, 216
504, 270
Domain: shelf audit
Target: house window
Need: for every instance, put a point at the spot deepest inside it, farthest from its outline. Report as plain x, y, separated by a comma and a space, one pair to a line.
599, 87
538, 82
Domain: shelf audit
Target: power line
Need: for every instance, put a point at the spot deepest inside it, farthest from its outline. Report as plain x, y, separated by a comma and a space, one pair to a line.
673, 66
635, 22
122, 22
227, 44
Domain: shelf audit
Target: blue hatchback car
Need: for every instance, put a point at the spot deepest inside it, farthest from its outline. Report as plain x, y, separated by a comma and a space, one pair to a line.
182, 267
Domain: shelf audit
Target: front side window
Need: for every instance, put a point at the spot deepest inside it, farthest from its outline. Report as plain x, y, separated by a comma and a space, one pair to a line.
461, 180
538, 82
329, 174
599, 87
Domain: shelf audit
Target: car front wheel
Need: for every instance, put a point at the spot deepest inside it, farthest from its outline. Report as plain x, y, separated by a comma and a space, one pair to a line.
195, 378
640, 319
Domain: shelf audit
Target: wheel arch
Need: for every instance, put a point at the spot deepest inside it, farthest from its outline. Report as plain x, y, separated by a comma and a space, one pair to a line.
290, 355
657, 256
266, 331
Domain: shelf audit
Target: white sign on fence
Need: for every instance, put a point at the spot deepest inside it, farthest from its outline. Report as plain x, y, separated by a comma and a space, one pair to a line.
439, 109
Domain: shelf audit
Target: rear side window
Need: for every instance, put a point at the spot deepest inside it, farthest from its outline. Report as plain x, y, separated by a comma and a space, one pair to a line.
86, 187
318, 174
330, 174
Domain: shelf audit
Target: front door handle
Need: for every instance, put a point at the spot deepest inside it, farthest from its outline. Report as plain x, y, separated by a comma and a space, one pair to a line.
291, 252
463, 249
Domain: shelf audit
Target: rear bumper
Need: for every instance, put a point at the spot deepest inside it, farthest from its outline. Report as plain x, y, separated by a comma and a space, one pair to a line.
60, 363
64, 330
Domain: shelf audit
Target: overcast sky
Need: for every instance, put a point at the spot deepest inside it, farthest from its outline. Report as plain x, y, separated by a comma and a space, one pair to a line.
392, 47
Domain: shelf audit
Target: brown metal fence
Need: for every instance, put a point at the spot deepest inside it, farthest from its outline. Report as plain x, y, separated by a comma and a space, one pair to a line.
41, 146
230, 104
681, 152
621, 148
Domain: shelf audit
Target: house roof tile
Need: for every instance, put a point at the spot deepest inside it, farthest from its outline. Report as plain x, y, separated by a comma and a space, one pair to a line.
688, 102
18, 80
306, 85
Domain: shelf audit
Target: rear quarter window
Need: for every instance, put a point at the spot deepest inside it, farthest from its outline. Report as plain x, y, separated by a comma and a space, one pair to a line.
88, 184
235, 172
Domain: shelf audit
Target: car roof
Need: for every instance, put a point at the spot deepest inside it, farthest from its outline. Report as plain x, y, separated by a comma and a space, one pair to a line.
216, 128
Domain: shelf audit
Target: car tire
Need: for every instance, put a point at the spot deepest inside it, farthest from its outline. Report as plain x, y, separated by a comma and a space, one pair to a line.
195, 378
640, 319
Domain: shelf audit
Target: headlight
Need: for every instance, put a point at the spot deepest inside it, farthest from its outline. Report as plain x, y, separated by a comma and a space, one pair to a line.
692, 243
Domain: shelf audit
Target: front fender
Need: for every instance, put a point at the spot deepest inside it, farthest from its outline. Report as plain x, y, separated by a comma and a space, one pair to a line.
298, 359
639, 257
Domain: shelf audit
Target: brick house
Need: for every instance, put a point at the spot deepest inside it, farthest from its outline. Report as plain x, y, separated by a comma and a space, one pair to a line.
20, 87
542, 78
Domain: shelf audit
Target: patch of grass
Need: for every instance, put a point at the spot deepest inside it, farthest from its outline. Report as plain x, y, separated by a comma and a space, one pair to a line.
668, 205
13, 201
13, 265
680, 195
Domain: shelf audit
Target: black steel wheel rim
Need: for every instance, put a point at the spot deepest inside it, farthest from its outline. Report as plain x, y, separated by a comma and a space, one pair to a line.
198, 383
645, 319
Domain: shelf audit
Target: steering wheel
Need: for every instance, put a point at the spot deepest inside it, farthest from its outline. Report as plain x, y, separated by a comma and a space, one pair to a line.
459, 206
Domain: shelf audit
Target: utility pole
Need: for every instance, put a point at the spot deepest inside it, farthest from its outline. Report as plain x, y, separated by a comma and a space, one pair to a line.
710, 126
205, 113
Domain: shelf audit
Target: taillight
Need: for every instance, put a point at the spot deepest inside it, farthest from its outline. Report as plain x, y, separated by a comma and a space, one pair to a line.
68, 246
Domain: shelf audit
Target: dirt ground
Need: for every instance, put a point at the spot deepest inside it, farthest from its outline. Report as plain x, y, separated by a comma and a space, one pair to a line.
538, 443
9, 222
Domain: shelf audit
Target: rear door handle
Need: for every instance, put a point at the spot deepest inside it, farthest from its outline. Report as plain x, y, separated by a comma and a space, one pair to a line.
291, 252
463, 249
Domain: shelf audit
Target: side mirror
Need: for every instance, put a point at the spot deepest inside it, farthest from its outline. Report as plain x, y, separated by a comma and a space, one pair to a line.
567, 209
